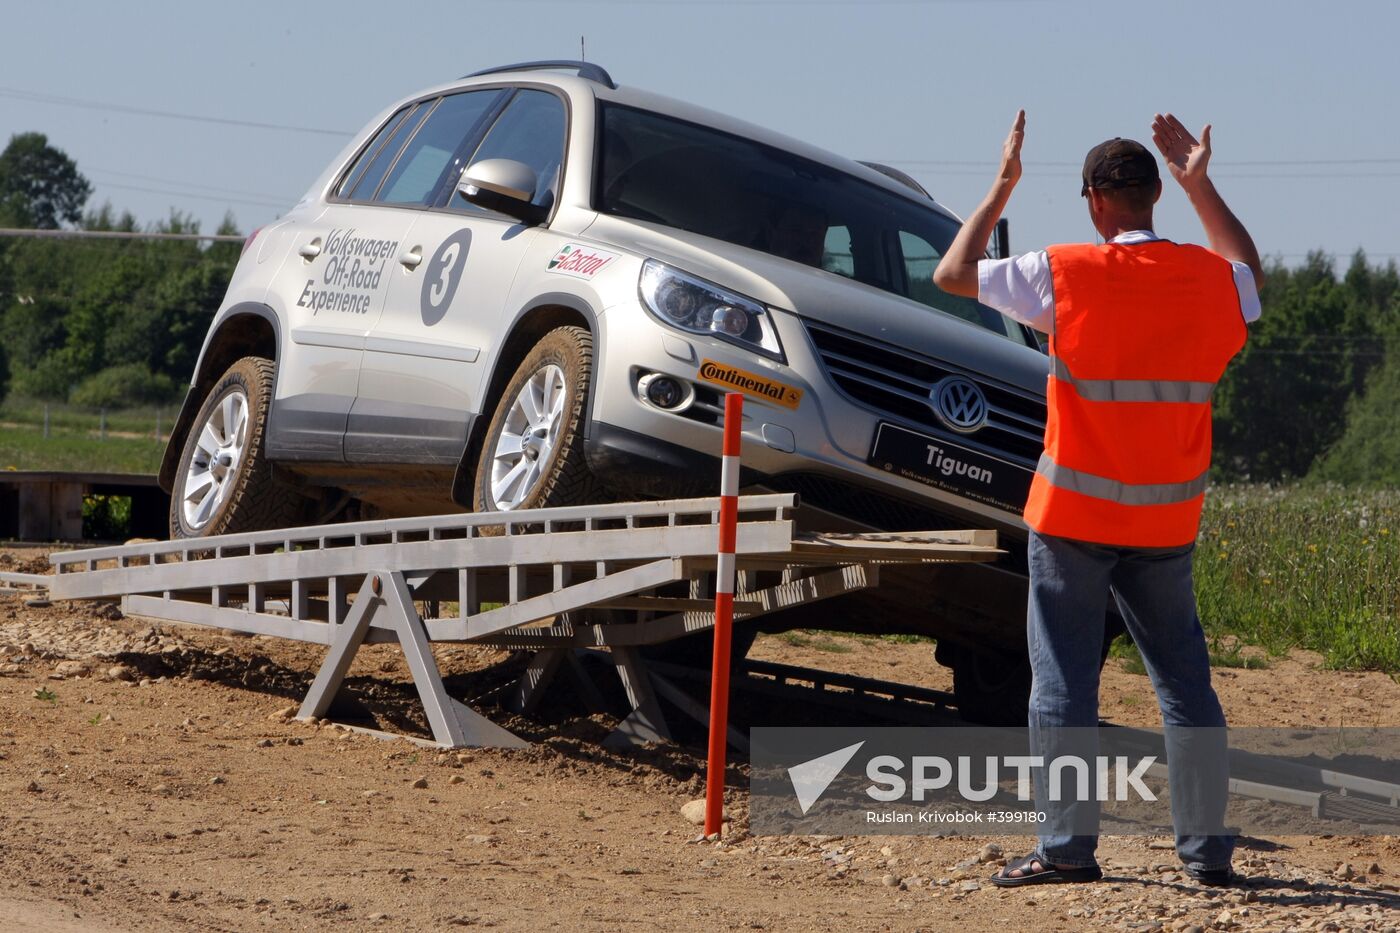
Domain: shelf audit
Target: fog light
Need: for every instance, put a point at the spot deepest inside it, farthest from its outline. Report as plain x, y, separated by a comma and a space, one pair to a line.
665, 392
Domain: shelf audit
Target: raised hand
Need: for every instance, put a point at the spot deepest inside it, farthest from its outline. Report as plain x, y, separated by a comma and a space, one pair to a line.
1011, 149
1186, 157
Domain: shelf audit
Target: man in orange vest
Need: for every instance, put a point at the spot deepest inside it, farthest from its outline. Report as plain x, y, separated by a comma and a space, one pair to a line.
1140, 332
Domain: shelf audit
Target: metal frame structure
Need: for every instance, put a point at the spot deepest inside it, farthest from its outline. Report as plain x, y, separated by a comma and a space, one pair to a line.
549, 581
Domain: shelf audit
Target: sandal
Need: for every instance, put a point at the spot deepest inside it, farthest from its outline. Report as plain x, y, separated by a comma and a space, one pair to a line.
1046, 875
1211, 877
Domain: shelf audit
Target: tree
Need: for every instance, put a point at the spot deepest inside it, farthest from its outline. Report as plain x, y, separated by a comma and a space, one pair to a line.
1282, 403
39, 185
1368, 453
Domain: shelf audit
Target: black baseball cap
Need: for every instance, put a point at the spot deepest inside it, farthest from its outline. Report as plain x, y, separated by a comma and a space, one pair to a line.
1118, 163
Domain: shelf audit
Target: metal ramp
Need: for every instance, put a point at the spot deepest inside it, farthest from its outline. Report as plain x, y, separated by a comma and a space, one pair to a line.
550, 581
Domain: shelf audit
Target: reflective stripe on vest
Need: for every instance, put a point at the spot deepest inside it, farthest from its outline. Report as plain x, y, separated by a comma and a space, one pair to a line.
1133, 390
1101, 487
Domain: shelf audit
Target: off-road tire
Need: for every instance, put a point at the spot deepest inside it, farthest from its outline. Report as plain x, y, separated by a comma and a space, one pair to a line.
991, 688
565, 478
257, 501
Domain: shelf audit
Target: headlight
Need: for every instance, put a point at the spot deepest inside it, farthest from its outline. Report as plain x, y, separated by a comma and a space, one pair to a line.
700, 307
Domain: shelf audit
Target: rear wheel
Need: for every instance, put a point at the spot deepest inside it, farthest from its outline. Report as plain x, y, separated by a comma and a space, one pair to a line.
991, 688
533, 453
224, 483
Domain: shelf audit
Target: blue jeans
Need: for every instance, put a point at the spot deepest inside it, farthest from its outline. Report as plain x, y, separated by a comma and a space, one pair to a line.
1070, 582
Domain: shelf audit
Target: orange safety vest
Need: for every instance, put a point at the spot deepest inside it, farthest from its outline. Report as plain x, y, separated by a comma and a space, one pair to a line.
1142, 333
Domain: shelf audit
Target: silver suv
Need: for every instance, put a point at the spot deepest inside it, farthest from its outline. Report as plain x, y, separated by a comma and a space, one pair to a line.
529, 288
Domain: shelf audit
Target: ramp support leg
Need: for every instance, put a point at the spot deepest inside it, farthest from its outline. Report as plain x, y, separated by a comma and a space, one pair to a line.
454, 724
646, 722
536, 677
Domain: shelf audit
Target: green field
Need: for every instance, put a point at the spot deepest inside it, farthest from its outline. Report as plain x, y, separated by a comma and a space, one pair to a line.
1314, 567
75, 440
27, 449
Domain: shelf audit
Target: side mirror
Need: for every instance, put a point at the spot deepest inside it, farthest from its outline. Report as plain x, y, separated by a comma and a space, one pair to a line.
502, 185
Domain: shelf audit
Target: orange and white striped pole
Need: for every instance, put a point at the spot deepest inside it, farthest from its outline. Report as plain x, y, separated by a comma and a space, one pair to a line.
724, 612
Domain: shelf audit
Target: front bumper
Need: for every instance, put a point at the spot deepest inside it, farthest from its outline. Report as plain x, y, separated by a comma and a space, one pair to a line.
817, 447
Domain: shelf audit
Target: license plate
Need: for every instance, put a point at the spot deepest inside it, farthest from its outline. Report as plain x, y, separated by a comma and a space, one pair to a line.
951, 467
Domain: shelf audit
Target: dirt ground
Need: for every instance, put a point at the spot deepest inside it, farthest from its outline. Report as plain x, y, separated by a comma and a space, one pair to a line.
152, 782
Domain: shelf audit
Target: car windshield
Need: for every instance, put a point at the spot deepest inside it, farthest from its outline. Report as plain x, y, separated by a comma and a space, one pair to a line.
694, 178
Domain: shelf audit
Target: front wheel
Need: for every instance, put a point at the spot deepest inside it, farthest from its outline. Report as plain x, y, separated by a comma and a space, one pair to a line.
225, 484
533, 453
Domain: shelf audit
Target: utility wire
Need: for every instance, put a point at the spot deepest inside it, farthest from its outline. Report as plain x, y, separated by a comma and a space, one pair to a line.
1388, 160
32, 97
281, 205
118, 235
191, 185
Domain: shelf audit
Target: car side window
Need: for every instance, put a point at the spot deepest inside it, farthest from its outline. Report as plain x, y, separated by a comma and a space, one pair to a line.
357, 171
418, 173
920, 258
530, 130
364, 178
837, 255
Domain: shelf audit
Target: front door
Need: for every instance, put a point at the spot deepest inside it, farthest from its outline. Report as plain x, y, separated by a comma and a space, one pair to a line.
423, 379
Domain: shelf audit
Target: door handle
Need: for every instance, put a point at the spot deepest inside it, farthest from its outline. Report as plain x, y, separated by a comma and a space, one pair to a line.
412, 258
310, 251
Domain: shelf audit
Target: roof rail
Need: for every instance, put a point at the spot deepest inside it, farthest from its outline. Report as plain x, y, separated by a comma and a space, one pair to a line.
902, 177
586, 70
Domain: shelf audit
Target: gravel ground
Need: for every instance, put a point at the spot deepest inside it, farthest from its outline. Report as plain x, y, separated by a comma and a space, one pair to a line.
155, 781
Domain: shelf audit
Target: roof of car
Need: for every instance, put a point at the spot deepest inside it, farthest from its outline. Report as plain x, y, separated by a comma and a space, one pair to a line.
606, 90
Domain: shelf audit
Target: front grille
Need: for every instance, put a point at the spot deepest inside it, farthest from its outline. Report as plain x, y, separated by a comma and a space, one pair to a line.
896, 383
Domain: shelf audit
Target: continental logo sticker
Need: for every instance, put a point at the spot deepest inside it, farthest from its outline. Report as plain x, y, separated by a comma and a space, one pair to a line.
579, 261
750, 383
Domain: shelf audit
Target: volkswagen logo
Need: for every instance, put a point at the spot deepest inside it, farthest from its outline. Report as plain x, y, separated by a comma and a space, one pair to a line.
959, 404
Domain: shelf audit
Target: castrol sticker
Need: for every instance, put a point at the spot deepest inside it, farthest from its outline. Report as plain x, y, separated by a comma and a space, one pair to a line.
581, 262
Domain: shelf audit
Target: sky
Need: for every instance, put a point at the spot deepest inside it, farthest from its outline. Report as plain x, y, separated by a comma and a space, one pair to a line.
1301, 95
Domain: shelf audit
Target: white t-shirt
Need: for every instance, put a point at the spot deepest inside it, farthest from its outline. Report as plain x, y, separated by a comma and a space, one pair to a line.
1022, 288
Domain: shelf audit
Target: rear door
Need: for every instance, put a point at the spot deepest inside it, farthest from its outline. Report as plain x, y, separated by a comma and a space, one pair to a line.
424, 372
330, 289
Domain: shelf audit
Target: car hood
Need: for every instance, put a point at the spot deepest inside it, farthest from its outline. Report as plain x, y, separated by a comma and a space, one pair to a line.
831, 299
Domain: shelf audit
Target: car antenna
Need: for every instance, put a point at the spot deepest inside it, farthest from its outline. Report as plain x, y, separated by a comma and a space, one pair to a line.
581, 56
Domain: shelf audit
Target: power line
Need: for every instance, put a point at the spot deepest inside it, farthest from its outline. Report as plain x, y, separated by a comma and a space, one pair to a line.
1388, 160
118, 235
661, 4
33, 97
191, 185
202, 197
930, 171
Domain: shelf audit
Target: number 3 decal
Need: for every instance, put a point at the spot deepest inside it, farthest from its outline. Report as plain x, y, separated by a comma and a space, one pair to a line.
443, 275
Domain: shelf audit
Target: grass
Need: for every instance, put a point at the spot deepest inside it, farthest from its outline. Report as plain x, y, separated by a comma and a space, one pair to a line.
75, 442
139, 419
28, 449
817, 641
1304, 566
